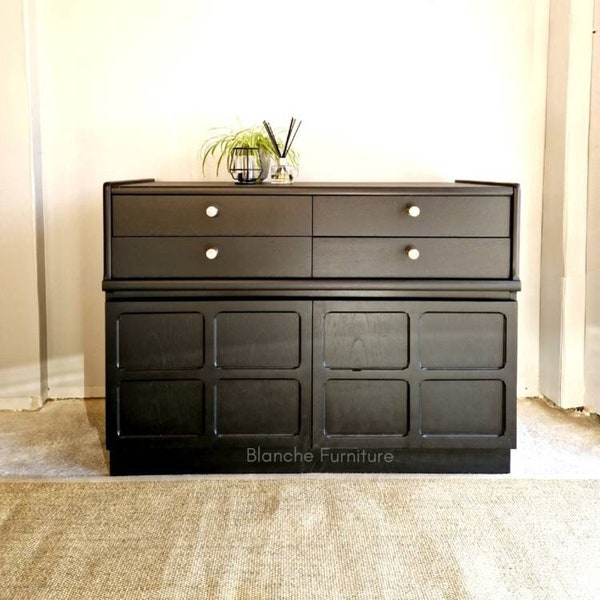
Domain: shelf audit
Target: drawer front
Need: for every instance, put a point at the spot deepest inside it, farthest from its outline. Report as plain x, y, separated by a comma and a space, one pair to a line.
186, 257
452, 216
189, 215
469, 258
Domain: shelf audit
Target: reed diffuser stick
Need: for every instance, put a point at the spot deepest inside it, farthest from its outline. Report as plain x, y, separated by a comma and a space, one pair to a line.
293, 137
287, 139
272, 138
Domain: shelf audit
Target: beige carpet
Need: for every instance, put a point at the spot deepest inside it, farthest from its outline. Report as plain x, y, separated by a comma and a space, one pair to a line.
324, 537
66, 439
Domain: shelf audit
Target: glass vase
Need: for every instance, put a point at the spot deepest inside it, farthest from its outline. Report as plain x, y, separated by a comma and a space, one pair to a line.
282, 172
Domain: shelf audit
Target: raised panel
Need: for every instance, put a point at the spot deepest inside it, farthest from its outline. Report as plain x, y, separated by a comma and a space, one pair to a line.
366, 407
170, 408
259, 340
463, 407
453, 340
365, 340
464, 258
184, 215
374, 216
160, 341
258, 407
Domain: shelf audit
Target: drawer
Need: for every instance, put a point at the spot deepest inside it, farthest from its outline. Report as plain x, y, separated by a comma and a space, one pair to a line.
464, 258
185, 257
439, 216
137, 215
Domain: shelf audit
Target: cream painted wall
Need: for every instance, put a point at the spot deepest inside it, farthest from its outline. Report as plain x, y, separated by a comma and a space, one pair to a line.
20, 364
552, 266
388, 90
592, 315
563, 278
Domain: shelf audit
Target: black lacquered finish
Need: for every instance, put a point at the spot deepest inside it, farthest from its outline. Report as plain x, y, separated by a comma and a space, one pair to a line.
316, 327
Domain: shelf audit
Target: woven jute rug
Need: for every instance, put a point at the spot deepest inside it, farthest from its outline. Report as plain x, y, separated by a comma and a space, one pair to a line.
325, 537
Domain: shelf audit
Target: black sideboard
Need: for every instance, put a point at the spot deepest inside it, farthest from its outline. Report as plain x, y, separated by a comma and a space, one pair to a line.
311, 327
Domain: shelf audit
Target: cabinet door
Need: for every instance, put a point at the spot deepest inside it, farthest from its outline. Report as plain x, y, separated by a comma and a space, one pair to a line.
410, 374
467, 374
261, 389
361, 394
199, 374
156, 366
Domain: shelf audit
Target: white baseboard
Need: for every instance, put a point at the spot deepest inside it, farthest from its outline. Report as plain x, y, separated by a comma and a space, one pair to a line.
64, 392
21, 403
528, 388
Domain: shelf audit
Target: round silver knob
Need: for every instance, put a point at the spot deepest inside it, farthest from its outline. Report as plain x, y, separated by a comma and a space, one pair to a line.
212, 253
413, 211
212, 211
412, 253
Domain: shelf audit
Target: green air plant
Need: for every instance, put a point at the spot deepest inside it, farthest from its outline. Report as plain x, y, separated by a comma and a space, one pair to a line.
222, 145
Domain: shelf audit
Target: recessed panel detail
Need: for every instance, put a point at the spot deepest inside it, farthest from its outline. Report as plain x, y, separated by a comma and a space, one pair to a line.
453, 340
257, 340
160, 341
366, 340
366, 407
169, 408
257, 407
463, 407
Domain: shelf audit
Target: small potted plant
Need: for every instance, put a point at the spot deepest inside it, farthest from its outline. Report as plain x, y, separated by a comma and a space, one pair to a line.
247, 152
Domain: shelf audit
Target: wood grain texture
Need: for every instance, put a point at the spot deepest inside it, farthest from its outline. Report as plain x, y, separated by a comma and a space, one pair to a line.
462, 407
169, 215
149, 341
463, 340
311, 328
260, 407
365, 340
183, 257
441, 216
257, 340
166, 409
286, 359
358, 407
446, 332
436, 188
461, 258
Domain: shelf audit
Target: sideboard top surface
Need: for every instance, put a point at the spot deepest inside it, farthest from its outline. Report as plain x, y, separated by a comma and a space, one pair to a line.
311, 188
